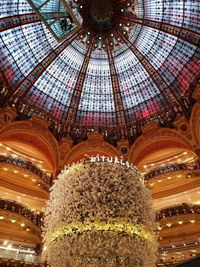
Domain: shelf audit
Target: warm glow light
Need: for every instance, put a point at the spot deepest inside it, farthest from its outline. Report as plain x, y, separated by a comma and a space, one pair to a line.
192, 221
180, 222
9, 247
22, 224
13, 221
168, 224
133, 229
1, 217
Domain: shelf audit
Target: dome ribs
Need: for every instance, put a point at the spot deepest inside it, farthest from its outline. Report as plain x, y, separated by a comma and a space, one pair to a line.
75, 100
154, 74
180, 32
17, 21
119, 106
18, 93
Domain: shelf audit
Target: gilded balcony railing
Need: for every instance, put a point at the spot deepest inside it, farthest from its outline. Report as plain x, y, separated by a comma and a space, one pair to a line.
46, 177
178, 210
173, 168
22, 210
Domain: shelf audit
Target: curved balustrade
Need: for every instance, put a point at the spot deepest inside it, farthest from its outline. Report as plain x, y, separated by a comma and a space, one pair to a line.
178, 210
28, 166
15, 263
172, 168
13, 206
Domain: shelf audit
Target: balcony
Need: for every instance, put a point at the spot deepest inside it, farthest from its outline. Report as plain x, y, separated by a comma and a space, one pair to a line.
178, 210
47, 178
173, 179
18, 263
14, 207
173, 168
19, 225
179, 238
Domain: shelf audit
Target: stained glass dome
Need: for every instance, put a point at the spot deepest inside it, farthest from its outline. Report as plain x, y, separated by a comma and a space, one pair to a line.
130, 62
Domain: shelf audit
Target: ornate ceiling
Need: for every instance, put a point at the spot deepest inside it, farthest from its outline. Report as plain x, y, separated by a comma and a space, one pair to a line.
131, 62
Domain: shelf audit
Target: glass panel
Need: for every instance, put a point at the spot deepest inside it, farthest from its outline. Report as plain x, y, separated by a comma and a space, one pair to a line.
57, 16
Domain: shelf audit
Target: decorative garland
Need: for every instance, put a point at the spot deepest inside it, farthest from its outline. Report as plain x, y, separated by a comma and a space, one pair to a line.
100, 213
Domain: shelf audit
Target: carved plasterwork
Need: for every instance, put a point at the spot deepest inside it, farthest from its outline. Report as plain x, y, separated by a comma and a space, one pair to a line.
156, 139
7, 115
65, 146
34, 132
195, 119
94, 145
182, 125
196, 94
195, 123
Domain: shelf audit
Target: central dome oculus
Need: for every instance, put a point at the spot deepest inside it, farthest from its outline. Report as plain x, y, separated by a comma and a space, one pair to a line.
101, 14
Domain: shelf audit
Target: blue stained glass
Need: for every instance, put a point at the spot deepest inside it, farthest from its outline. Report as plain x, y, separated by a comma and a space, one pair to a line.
147, 83
57, 16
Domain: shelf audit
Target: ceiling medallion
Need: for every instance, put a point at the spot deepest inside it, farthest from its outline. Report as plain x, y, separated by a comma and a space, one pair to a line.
104, 19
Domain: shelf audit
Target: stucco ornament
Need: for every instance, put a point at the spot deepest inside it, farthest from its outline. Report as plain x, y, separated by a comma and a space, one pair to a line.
100, 214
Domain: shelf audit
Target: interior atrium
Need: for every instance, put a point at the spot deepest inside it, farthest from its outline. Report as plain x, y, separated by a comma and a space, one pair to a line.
116, 78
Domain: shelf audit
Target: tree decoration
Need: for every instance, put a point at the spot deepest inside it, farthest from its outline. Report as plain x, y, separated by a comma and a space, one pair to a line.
100, 214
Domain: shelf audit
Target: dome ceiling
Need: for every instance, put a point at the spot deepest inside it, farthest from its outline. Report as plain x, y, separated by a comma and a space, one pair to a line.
130, 62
